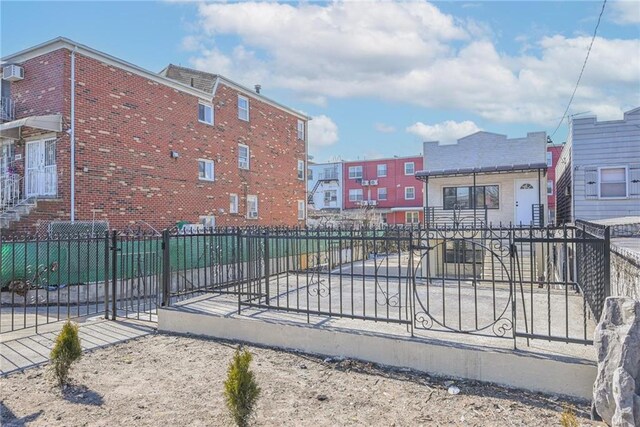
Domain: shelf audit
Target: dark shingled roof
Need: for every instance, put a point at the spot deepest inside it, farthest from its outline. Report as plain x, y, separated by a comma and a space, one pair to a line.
480, 170
190, 77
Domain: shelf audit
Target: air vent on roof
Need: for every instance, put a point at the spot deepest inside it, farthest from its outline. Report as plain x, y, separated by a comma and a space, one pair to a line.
12, 73
258, 87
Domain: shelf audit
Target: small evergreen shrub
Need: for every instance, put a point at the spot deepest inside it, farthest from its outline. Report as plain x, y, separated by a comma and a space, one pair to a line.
241, 390
568, 418
65, 351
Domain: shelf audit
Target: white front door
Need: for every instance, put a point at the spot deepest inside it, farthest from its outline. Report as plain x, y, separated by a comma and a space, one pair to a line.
526, 197
41, 170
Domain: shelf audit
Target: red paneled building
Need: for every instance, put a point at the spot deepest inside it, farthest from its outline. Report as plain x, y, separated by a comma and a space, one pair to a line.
386, 187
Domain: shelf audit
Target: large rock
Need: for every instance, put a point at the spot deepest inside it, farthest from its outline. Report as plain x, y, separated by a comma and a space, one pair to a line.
616, 392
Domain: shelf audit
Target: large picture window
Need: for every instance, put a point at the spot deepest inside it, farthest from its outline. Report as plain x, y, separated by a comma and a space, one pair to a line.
466, 198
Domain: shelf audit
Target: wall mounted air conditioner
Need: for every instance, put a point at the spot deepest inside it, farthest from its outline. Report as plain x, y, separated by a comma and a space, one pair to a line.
373, 202
365, 182
373, 182
12, 73
253, 214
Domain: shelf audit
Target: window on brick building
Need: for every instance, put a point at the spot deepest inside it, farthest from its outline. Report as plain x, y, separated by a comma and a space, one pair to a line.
205, 170
355, 195
409, 168
382, 170
252, 207
205, 113
301, 169
382, 193
549, 187
301, 212
409, 193
243, 156
233, 203
412, 217
301, 130
243, 108
549, 158
355, 172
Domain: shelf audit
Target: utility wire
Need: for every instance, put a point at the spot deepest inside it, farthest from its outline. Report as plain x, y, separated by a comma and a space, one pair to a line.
584, 64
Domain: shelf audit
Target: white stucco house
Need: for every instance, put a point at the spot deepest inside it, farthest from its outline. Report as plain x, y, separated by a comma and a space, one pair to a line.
324, 187
486, 178
598, 173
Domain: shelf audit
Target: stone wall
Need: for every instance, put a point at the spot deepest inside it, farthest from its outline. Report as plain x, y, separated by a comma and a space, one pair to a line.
625, 273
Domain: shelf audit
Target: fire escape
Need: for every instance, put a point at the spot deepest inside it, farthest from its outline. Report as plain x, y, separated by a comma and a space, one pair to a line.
328, 175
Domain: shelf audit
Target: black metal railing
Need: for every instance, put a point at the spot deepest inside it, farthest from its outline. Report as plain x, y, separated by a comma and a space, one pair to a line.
7, 109
438, 216
505, 281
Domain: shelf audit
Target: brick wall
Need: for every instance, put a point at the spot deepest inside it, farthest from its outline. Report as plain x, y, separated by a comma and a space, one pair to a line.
126, 126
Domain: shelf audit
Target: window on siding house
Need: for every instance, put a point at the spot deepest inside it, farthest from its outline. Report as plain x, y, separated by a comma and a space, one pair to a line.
205, 113
412, 217
205, 170
549, 187
462, 252
252, 207
310, 174
409, 193
355, 172
300, 130
549, 158
243, 108
243, 156
330, 196
301, 169
301, 213
382, 193
613, 182
355, 195
463, 197
233, 203
382, 170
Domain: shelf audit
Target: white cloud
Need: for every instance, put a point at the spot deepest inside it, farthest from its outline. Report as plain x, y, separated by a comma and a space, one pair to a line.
322, 132
625, 12
447, 132
384, 128
413, 53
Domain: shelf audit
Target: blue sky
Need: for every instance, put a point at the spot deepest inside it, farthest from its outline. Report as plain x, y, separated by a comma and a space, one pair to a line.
377, 78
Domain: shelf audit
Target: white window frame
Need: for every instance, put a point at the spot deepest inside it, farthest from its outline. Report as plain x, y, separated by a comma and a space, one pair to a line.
300, 129
240, 109
550, 181
386, 170
386, 193
353, 195
626, 182
301, 170
355, 168
301, 210
413, 166
549, 158
248, 165
205, 115
252, 198
333, 196
405, 193
413, 215
233, 203
213, 170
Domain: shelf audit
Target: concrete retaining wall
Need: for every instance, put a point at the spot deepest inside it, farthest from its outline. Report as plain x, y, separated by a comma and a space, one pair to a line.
502, 367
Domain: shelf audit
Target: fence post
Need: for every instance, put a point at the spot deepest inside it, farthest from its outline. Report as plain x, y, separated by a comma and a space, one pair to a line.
114, 273
166, 269
607, 262
266, 266
239, 279
106, 274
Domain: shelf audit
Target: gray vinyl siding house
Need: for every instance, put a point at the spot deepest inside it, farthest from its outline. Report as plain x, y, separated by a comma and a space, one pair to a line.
598, 173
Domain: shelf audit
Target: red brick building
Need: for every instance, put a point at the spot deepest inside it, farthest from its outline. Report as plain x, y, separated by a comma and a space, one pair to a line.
553, 154
385, 186
159, 148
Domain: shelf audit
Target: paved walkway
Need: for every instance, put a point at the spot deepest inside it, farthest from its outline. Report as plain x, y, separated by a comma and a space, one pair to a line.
24, 349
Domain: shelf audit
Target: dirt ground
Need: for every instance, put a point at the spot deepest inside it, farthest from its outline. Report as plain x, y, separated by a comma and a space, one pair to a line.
164, 380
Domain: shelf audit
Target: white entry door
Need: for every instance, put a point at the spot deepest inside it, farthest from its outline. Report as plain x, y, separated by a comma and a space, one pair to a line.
41, 170
526, 196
